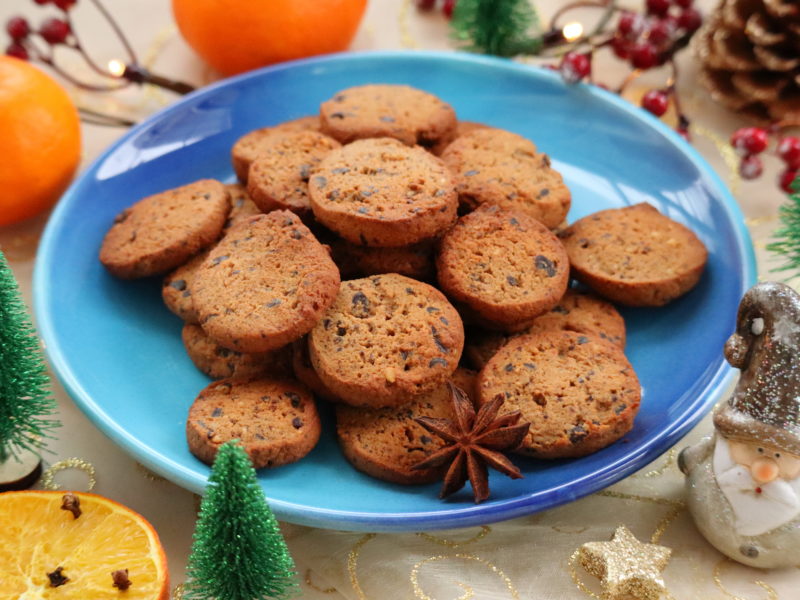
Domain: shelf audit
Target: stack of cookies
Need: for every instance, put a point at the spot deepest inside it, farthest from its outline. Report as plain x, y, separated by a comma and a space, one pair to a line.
339, 270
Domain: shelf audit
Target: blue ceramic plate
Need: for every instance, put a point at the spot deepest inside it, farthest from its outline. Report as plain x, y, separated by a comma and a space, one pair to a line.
118, 350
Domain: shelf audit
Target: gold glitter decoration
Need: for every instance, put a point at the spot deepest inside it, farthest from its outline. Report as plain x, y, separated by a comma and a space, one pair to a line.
660, 470
352, 564
572, 530
485, 530
177, 592
406, 39
469, 593
664, 523
626, 567
147, 473
727, 153
48, 477
771, 594
660, 501
310, 583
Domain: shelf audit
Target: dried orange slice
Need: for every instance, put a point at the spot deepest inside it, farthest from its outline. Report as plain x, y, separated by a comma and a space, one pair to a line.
37, 537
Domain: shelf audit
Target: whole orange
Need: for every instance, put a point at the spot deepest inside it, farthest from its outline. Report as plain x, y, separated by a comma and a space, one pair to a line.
234, 36
40, 140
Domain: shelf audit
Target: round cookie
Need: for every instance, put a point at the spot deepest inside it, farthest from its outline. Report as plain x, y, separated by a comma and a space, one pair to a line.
278, 177
462, 127
176, 289
635, 255
386, 442
504, 265
249, 146
396, 111
579, 392
305, 373
163, 231
576, 311
385, 340
275, 420
382, 193
415, 261
265, 284
496, 166
219, 362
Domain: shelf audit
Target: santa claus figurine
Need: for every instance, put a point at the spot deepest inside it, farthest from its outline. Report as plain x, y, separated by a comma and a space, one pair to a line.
743, 482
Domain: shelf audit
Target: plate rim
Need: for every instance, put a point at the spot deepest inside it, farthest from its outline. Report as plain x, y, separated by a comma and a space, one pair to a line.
459, 515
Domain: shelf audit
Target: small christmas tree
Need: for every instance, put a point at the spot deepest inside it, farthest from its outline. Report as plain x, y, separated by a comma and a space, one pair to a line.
787, 235
238, 551
500, 27
26, 406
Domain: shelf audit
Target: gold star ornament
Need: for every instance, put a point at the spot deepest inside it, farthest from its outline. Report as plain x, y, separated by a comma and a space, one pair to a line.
626, 567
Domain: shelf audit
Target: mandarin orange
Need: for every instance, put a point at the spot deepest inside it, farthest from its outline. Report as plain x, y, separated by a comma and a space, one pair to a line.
40, 141
234, 36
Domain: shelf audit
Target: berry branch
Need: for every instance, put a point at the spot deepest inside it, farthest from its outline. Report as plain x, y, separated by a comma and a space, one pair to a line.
54, 32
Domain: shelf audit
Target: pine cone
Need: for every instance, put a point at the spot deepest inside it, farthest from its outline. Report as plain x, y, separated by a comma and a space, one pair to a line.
750, 56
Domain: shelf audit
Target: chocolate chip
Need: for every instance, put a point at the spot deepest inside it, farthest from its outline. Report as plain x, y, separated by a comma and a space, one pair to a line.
333, 194
305, 172
512, 280
432, 309
297, 422
471, 172
583, 340
530, 366
438, 341
544, 263
273, 303
326, 323
560, 310
387, 119
368, 192
425, 439
340, 331
340, 170
360, 304
337, 115
222, 352
508, 368
320, 181
543, 192
620, 408
121, 216
258, 436
294, 398
445, 321
363, 210
286, 222
577, 434
411, 291
218, 259
437, 361
217, 412
439, 193
404, 354
296, 234
178, 284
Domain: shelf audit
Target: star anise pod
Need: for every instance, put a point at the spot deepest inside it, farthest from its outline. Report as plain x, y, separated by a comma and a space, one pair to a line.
473, 442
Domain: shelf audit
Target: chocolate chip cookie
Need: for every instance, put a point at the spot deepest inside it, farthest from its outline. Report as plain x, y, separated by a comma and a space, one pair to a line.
385, 340
381, 193
635, 255
396, 111
163, 231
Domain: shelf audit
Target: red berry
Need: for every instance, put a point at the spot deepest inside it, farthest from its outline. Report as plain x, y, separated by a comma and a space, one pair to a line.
690, 19
789, 151
65, 5
751, 167
656, 102
575, 66
658, 7
425, 4
750, 140
621, 47
54, 31
630, 24
17, 28
17, 50
644, 55
787, 178
661, 31
448, 6
684, 3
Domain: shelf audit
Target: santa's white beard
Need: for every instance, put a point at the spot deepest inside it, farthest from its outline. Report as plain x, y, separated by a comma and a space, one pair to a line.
778, 502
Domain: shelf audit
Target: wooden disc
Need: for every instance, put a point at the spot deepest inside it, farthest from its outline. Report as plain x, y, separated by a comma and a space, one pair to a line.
20, 472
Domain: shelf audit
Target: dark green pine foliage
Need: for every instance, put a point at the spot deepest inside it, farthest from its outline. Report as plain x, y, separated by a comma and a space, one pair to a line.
26, 405
238, 551
499, 27
787, 235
